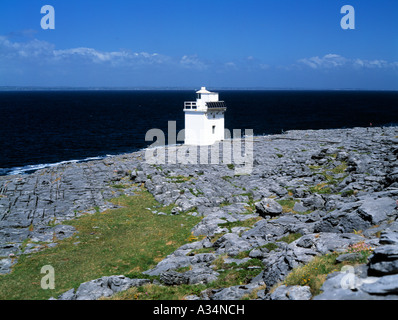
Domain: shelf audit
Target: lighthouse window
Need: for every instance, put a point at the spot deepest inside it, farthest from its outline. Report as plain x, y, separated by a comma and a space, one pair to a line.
214, 116
214, 129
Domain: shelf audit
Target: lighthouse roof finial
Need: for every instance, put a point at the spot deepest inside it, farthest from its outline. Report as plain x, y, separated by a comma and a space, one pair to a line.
203, 90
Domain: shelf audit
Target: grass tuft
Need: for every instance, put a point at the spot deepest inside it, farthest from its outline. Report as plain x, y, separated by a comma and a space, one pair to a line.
314, 273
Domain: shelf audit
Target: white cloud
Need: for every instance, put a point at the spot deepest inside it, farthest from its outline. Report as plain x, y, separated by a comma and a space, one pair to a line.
231, 65
264, 66
193, 62
32, 52
32, 49
41, 51
374, 63
331, 60
115, 58
89, 53
327, 61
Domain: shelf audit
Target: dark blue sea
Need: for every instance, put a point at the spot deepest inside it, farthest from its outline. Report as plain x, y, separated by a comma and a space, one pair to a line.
43, 128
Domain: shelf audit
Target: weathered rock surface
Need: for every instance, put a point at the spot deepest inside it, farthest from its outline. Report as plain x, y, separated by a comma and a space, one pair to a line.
268, 207
103, 287
197, 275
376, 280
327, 188
291, 293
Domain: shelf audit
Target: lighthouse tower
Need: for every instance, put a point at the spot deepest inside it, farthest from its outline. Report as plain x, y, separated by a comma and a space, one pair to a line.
204, 118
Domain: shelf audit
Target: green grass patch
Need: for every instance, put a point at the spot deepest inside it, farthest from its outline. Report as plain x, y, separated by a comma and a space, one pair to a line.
314, 273
157, 292
225, 203
270, 246
244, 223
349, 193
203, 250
291, 237
326, 187
179, 179
125, 241
230, 274
315, 167
287, 205
242, 254
198, 193
120, 186
340, 168
321, 188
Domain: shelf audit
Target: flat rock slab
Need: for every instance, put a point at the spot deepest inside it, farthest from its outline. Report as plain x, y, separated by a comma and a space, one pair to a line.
377, 210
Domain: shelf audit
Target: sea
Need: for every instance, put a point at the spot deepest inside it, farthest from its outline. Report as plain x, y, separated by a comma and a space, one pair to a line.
43, 128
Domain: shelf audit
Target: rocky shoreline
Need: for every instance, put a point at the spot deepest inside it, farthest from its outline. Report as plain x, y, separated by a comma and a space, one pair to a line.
332, 189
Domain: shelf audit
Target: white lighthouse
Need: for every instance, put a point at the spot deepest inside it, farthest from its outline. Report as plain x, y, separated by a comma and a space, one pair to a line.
204, 119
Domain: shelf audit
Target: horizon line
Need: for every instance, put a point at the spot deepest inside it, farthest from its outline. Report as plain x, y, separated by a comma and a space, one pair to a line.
171, 88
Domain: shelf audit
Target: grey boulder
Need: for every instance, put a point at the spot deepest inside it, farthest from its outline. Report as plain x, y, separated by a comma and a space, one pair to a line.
268, 207
291, 293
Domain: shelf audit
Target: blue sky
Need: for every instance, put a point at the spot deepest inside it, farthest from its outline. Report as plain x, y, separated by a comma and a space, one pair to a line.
185, 43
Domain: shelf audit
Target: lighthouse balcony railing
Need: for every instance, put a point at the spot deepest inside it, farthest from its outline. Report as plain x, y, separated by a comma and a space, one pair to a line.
190, 105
